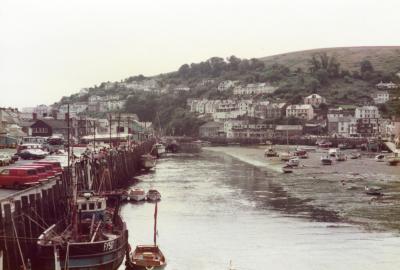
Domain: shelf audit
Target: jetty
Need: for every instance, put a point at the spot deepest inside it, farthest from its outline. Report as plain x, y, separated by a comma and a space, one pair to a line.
25, 214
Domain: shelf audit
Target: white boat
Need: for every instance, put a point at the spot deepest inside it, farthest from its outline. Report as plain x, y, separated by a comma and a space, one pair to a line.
373, 190
355, 155
332, 152
326, 160
293, 162
340, 156
287, 169
136, 194
270, 152
148, 161
153, 195
380, 158
285, 156
160, 148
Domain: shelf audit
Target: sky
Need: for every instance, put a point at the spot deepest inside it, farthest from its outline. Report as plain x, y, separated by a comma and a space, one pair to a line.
52, 48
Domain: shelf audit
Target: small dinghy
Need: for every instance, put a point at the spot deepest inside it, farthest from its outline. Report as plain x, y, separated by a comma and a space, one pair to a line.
153, 195
375, 191
287, 169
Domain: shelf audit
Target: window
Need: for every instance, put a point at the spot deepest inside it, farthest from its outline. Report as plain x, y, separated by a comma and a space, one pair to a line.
83, 206
91, 206
5, 172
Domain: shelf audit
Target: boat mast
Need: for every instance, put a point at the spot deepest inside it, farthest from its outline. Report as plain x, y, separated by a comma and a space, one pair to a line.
155, 225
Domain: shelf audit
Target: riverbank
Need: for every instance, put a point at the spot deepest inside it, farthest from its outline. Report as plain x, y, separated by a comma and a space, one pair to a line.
338, 188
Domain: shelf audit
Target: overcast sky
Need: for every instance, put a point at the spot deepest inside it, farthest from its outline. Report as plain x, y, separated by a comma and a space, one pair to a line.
50, 48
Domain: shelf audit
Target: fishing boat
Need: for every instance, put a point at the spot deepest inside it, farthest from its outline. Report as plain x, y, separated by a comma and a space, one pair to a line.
380, 158
340, 156
285, 156
97, 238
148, 161
153, 195
293, 162
287, 169
392, 161
376, 191
146, 257
136, 194
326, 160
270, 152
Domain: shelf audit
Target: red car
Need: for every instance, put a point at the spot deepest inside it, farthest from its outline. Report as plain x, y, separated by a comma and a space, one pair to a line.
18, 177
40, 171
48, 169
56, 165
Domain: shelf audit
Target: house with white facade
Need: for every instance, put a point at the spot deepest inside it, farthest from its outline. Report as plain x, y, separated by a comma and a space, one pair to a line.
254, 89
390, 85
368, 120
226, 85
94, 99
303, 111
246, 129
314, 100
381, 97
346, 126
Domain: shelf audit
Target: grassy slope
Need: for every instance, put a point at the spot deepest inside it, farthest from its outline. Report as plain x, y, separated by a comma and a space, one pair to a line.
384, 58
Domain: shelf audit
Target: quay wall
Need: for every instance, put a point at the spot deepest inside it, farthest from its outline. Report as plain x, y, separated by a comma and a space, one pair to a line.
25, 214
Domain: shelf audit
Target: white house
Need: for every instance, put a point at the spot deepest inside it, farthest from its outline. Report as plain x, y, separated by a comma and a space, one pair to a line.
226, 85
389, 85
347, 126
254, 89
381, 97
95, 99
367, 112
304, 111
314, 100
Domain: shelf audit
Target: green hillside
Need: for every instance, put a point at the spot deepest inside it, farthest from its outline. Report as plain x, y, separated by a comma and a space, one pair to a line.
383, 58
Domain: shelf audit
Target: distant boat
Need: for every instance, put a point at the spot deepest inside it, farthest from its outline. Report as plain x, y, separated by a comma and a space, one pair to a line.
373, 191
332, 152
136, 194
160, 149
340, 156
287, 169
294, 162
355, 155
153, 195
301, 154
326, 160
285, 156
393, 161
270, 152
148, 162
380, 158
146, 257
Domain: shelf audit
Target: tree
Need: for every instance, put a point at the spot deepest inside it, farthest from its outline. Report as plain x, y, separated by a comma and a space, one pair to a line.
322, 76
366, 66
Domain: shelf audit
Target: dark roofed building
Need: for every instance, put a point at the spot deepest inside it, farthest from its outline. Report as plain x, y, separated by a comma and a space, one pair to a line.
49, 127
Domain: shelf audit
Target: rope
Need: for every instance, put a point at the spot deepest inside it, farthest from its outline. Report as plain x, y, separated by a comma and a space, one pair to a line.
18, 244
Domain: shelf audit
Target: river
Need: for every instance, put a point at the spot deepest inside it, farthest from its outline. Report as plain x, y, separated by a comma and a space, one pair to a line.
216, 209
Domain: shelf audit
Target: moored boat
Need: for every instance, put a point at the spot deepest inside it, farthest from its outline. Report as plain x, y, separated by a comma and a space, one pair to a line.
355, 155
160, 149
301, 154
380, 158
285, 156
270, 152
146, 257
293, 162
148, 161
340, 156
326, 160
153, 195
97, 239
287, 169
376, 191
332, 152
136, 194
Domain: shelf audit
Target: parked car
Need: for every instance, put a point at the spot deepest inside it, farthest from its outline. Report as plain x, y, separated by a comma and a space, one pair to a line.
32, 154
5, 159
18, 177
55, 164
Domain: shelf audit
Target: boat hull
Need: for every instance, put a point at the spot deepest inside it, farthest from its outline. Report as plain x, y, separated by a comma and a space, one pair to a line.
104, 255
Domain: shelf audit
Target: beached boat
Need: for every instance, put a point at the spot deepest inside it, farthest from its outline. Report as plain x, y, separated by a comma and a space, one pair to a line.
332, 152
96, 239
294, 162
146, 257
301, 154
287, 169
340, 156
136, 194
355, 155
326, 160
393, 161
380, 158
153, 195
270, 152
285, 156
148, 161
373, 191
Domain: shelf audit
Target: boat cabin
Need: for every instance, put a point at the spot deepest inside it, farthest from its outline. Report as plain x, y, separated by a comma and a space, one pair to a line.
89, 205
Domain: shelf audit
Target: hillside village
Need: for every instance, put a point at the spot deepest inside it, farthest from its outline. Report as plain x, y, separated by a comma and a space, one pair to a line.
233, 99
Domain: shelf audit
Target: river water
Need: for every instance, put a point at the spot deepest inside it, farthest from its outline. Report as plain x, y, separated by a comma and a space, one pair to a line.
216, 209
